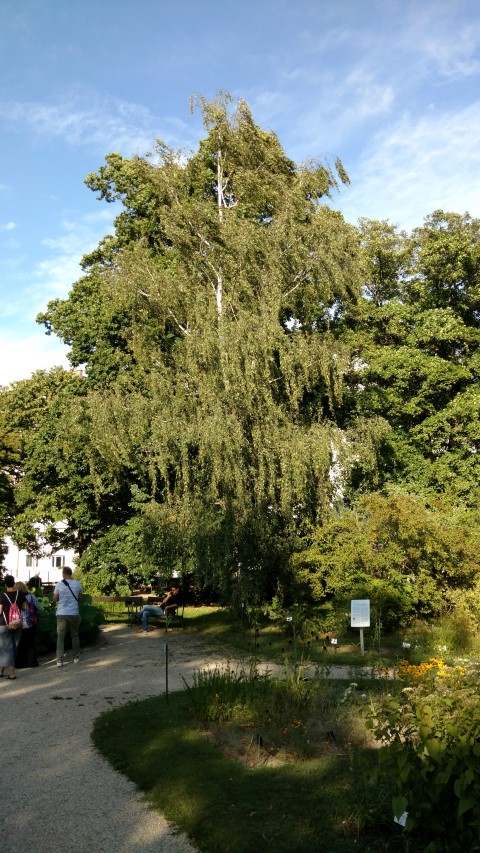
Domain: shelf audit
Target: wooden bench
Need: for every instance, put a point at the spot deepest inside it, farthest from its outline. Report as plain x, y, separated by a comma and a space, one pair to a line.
133, 603
172, 618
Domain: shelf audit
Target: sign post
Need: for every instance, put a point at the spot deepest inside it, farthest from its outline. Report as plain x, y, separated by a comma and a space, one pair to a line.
360, 617
166, 670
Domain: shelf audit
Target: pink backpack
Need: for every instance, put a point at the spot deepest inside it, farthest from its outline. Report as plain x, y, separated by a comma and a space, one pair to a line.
14, 614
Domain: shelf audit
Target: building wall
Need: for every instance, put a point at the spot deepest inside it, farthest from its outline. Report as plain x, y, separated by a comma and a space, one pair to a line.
49, 567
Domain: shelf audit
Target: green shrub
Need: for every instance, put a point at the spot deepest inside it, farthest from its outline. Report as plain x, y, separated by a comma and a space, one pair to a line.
430, 735
453, 633
397, 551
288, 710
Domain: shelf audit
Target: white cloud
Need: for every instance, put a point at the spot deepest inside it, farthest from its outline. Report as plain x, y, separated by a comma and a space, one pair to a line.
419, 165
9, 226
370, 96
53, 276
26, 351
325, 108
110, 124
21, 356
454, 50
351, 78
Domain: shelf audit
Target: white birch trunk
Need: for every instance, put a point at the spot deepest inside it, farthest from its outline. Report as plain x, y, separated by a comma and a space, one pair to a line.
219, 292
219, 288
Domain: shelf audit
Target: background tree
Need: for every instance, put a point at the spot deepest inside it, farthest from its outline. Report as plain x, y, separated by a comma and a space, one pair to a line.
415, 341
216, 392
52, 472
9, 461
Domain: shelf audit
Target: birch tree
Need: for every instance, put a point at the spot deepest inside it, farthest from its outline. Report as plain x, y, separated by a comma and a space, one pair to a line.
216, 395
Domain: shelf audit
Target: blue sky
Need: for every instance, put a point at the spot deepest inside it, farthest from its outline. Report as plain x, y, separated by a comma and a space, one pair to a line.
391, 87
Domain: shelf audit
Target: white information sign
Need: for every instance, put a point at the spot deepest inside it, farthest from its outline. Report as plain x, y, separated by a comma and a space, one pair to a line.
360, 613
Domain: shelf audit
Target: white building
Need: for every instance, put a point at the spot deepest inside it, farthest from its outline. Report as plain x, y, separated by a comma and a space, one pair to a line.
49, 566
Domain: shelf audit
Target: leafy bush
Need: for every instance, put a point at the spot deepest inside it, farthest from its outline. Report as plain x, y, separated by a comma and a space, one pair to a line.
292, 711
451, 634
430, 735
392, 549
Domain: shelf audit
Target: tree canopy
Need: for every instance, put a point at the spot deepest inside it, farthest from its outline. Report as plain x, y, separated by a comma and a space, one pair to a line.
249, 366
416, 342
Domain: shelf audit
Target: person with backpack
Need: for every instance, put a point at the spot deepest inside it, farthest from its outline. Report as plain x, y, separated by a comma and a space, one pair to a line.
67, 594
12, 602
26, 655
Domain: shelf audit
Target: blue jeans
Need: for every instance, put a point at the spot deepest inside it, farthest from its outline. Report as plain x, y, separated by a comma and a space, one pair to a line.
146, 611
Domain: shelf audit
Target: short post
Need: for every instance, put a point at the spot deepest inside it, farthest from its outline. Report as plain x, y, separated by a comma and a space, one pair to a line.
362, 647
166, 670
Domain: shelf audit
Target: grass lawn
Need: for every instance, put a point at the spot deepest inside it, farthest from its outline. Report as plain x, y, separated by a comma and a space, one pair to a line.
327, 802
270, 641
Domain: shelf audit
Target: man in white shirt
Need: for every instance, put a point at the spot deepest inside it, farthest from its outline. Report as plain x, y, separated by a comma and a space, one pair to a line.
68, 593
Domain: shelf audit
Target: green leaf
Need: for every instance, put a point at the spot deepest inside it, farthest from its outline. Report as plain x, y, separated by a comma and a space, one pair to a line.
434, 748
399, 805
466, 803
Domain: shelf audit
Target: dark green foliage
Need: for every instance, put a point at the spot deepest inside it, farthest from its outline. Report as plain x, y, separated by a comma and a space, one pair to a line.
415, 340
53, 478
405, 557
112, 565
9, 460
429, 735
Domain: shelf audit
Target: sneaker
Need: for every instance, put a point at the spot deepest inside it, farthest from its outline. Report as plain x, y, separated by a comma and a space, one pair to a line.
76, 660
59, 662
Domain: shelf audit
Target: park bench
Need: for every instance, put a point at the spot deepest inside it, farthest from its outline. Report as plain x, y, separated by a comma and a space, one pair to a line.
132, 604
173, 618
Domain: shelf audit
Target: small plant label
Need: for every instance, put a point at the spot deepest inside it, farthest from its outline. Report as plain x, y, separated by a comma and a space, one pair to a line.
289, 618
401, 820
405, 645
334, 641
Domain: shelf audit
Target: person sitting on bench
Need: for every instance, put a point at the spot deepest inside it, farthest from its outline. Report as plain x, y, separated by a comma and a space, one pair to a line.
167, 608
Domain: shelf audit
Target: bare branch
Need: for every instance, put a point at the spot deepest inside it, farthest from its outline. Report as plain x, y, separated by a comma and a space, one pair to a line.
183, 329
297, 277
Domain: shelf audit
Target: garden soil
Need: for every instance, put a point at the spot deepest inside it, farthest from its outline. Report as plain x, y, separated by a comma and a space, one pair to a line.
58, 793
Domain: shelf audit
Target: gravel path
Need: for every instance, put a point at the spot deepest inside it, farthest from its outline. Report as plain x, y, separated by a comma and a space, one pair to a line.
65, 796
